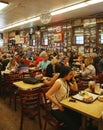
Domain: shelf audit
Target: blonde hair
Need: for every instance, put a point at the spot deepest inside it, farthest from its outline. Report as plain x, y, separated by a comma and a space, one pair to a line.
54, 61
89, 60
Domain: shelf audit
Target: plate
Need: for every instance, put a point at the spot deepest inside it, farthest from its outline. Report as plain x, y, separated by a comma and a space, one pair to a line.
81, 96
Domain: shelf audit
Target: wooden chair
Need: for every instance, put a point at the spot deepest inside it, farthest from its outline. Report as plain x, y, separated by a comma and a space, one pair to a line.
49, 118
30, 104
10, 89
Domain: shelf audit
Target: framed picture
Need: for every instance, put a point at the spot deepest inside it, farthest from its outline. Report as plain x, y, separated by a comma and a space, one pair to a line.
81, 49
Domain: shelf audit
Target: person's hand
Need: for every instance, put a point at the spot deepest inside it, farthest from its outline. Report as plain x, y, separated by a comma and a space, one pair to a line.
61, 107
72, 75
82, 66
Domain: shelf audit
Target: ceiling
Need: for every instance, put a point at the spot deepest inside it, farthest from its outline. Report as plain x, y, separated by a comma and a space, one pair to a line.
22, 9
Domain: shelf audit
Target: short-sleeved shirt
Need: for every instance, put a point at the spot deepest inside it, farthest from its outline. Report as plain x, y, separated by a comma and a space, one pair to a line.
43, 65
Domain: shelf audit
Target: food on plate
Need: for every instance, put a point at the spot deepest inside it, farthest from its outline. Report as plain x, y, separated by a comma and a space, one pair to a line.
100, 98
82, 93
87, 98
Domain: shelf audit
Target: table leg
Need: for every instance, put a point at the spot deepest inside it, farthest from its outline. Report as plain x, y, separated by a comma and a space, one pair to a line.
83, 127
100, 124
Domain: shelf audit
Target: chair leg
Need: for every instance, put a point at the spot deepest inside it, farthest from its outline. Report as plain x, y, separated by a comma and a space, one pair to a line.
21, 122
45, 124
15, 102
10, 99
40, 124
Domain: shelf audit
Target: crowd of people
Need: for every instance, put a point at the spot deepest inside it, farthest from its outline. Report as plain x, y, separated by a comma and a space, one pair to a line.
59, 67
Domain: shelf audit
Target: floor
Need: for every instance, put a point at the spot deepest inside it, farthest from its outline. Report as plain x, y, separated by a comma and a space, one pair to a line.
10, 120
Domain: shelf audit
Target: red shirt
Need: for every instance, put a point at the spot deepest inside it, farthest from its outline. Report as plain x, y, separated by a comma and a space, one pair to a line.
38, 59
27, 62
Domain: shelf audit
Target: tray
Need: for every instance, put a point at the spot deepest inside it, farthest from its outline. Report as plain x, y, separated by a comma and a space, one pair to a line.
80, 97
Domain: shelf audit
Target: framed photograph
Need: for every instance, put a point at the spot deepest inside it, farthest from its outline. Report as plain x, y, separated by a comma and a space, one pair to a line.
81, 49
91, 50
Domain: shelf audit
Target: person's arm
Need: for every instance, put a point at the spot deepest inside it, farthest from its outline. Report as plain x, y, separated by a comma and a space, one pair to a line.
39, 65
52, 80
73, 84
7, 67
50, 93
86, 72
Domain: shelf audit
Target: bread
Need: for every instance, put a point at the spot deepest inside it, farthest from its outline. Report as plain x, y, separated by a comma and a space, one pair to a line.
87, 98
100, 98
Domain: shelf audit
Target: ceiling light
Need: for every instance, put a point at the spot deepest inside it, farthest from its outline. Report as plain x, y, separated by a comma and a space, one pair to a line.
70, 8
20, 23
76, 6
90, 2
3, 5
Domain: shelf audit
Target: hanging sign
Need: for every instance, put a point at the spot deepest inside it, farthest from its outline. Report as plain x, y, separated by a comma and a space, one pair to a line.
58, 29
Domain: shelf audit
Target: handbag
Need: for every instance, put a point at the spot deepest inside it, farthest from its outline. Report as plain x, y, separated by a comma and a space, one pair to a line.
31, 80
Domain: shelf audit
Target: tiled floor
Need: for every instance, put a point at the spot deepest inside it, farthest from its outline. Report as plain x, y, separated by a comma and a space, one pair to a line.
10, 120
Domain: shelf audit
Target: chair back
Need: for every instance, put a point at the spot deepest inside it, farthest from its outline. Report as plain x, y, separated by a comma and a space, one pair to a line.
30, 98
10, 78
30, 103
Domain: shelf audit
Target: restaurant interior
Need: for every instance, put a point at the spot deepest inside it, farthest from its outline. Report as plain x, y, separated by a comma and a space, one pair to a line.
47, 49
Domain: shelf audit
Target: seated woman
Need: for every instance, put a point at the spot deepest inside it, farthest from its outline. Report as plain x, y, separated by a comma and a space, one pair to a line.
12, 65
59, 91
50, 70
88, 70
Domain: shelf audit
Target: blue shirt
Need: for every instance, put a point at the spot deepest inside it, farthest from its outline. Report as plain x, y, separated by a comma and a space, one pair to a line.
43, 65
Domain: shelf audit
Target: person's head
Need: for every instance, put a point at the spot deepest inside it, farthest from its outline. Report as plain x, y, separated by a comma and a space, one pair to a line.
22, 62
13, 61
88, 61
45, 57
54, 61
66, 73
65, 59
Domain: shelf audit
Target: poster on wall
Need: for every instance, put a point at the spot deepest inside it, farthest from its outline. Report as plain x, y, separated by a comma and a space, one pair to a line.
81, 49
58, 37
74, 48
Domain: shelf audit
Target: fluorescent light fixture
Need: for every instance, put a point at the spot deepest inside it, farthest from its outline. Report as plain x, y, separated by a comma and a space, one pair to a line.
20, 23
91, 2
3, 5
76, 6
70, 8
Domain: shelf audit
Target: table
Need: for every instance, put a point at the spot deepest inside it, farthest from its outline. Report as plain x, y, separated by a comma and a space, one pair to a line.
35, 69
25, 86
5, 72
93, 110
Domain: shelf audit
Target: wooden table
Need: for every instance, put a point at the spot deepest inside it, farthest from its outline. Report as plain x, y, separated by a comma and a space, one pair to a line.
35, 69
93, 110
25, 86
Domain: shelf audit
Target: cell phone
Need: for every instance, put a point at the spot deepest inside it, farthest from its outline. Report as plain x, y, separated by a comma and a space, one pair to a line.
72, 100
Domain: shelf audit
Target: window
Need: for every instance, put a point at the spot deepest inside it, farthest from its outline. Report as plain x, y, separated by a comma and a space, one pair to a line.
79, 39
1, 42
100, 30
101, 40
78, 36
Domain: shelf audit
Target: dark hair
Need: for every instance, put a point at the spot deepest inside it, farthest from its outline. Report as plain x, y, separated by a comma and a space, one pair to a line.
58, 67
64, 72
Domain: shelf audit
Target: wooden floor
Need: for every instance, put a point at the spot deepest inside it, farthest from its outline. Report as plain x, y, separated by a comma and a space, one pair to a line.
10, 120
